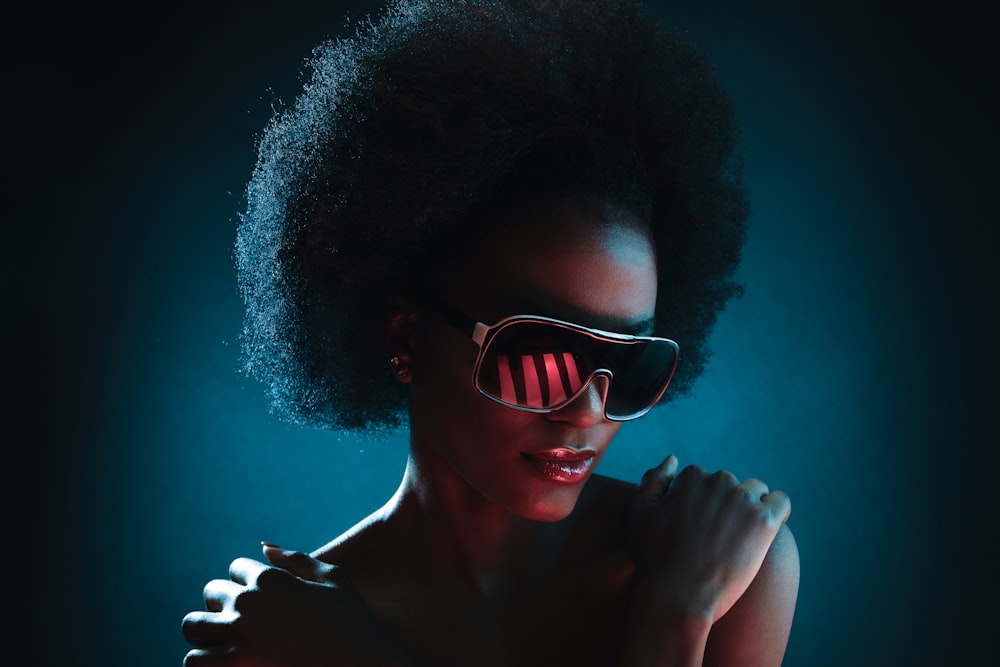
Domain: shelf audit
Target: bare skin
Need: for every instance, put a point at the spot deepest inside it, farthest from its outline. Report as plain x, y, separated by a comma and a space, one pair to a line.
480, 559
534, 611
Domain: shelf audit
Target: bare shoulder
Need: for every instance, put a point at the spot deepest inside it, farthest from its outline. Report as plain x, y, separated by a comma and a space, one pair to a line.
359, 544
783, 556
756, 629
777, 582
779, 573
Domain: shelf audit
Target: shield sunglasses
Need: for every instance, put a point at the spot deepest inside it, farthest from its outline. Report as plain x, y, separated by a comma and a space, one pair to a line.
540, 364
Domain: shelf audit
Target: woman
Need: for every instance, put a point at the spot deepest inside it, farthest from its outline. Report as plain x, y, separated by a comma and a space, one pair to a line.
487, 220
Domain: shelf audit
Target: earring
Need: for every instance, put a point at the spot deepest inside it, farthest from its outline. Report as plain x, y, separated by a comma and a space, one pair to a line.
400, 368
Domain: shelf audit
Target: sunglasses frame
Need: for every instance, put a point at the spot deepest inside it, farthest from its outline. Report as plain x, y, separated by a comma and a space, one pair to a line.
482, 335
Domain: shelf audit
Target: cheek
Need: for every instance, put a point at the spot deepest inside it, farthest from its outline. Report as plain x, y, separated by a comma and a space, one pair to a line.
444, 401
441, 369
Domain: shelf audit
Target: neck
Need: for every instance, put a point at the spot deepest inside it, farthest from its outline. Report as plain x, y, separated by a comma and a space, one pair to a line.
459, 537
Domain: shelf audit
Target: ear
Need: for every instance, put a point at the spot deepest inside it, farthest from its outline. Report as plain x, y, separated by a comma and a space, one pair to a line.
400, 336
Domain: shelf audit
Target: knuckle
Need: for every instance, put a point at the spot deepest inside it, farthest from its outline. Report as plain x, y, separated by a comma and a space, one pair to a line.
214, 587
780, 504
746, 494
271, 576
188, 625
195, 658
691, 471
237, 566
724, 477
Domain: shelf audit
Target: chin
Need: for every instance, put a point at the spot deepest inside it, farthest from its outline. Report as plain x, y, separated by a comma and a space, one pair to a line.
552, 507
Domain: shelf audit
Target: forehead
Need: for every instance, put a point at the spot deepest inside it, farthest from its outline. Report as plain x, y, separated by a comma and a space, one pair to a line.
582, 262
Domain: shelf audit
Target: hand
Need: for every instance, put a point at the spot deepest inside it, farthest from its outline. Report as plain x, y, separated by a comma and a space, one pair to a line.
298, 612
698, 539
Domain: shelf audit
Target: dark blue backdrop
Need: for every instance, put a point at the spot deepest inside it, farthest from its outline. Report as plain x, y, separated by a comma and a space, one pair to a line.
854, 374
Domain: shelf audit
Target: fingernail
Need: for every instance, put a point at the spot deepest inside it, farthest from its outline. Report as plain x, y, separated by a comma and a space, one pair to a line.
269, 544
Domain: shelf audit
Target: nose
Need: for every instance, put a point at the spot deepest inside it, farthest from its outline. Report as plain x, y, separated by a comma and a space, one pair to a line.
587, 409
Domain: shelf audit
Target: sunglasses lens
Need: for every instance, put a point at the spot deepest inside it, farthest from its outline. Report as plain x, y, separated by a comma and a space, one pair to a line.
641, 371
533, 365
539, 365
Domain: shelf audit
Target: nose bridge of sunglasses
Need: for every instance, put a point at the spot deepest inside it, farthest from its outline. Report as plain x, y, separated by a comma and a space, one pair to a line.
593, 395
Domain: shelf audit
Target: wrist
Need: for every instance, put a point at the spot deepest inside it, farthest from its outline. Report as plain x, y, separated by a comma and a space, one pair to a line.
673, 599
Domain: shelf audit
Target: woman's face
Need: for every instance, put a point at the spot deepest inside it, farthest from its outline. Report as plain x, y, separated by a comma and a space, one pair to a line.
582, 263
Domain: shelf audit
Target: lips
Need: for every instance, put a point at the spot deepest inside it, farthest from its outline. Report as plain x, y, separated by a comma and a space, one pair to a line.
565, 465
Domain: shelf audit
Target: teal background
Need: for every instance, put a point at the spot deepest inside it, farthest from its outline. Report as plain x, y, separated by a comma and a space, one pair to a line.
857, 373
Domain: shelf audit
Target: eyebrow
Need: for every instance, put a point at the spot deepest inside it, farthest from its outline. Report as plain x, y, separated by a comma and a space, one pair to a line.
569, 313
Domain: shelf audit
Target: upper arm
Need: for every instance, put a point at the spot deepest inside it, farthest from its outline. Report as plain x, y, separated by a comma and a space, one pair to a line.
754, 632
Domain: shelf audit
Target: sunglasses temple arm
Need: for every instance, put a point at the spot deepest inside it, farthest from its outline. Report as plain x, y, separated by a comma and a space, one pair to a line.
465, 324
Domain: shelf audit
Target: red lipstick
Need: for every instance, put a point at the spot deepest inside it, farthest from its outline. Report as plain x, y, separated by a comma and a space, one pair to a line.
569, 466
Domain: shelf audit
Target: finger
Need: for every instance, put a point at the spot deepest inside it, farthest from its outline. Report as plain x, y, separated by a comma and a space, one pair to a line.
218, 656
206, 629
692, 475
656, 481
301, 565
755, 487
778, 505
725, 478
245, 570
220, 593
